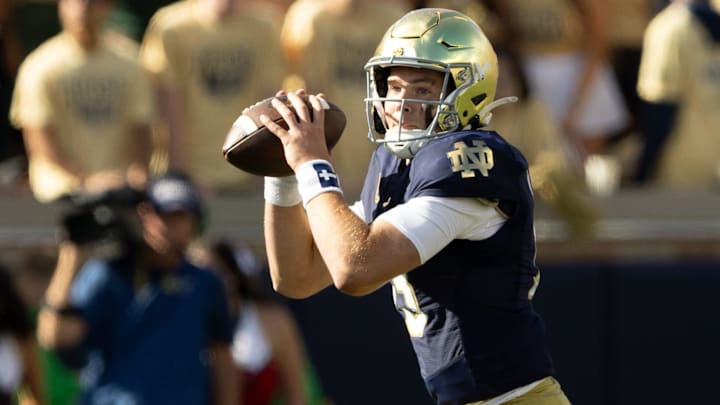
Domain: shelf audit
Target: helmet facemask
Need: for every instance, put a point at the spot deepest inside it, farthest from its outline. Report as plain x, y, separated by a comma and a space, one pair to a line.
441, 114
440, 40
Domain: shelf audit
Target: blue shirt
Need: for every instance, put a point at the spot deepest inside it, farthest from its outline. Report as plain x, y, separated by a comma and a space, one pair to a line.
149, 344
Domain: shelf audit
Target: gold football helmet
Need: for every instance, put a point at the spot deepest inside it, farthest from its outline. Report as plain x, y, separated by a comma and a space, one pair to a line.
441, 40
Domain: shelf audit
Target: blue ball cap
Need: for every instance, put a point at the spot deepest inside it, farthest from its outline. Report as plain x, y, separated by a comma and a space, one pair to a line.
174, 192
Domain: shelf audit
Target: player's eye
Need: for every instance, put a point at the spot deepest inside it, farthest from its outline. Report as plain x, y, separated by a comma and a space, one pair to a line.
394, 89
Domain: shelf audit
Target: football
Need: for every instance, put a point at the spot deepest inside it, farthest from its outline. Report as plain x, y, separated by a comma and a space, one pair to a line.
251, 147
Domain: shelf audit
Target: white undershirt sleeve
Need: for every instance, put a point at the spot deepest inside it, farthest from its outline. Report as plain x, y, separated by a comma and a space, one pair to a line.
431, 223
358, 209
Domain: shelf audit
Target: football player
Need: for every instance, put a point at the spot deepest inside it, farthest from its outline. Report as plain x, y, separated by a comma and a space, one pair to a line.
446, 215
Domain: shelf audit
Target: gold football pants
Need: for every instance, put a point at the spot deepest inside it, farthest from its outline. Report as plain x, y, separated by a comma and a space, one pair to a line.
548, 392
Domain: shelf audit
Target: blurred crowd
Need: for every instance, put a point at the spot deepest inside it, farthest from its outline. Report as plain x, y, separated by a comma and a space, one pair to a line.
98, 94
101, 92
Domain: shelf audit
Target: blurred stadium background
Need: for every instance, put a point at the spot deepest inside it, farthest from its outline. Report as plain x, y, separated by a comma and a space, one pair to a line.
632, 312
631, 308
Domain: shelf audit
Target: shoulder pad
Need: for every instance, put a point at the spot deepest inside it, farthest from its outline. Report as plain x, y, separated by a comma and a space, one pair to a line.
468, 164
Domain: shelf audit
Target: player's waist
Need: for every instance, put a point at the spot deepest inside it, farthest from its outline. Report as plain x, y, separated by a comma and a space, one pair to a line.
513, 394
458, 384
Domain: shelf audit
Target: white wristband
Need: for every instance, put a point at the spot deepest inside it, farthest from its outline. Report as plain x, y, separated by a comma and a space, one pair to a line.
282, 191
316, 177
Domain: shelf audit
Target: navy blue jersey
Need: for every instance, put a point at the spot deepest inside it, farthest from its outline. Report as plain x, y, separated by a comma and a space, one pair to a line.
468, 309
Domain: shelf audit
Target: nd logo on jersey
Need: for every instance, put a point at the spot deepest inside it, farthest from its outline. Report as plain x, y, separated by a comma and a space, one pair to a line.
466, 159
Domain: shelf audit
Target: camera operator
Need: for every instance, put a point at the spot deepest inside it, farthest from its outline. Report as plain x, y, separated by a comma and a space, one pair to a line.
147, 326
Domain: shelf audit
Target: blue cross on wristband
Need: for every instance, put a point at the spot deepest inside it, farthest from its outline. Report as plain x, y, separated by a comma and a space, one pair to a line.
326, 175
316, 177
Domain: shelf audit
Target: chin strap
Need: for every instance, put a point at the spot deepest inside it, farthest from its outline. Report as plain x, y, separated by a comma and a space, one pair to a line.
485, 112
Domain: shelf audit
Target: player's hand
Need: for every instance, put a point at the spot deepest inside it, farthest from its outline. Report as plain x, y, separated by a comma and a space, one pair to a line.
304, 140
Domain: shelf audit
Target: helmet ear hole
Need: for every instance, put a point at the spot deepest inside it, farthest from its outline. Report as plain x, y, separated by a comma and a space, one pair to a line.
478, 99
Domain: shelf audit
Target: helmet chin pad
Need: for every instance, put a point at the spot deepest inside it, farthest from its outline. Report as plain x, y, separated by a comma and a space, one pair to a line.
405, 143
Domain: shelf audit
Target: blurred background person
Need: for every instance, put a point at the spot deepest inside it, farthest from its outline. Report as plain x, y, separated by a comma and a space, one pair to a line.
480, 11
13, 160
35, 268
37, 20
126, 305
679, 81
132, 17
20, 375
84, 105
268, 348
326, 44
280, 5
627, 21
528, 125
210, 59
563, 46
